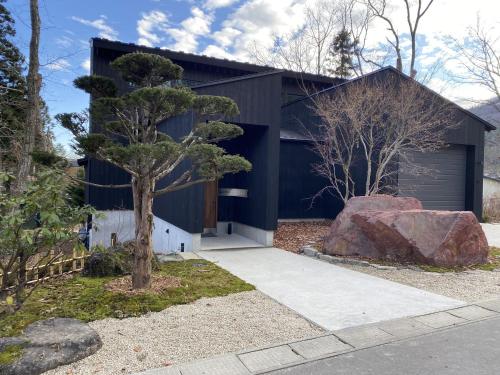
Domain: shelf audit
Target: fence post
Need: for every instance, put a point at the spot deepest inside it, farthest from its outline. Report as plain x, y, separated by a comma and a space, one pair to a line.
74, 260
51, 268
82, 261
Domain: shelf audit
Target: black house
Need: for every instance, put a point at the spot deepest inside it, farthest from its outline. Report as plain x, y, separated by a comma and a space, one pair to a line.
280, 183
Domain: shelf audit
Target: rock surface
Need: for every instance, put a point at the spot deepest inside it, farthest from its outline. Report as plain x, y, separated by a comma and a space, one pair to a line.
441, 238
346, 238
51, 343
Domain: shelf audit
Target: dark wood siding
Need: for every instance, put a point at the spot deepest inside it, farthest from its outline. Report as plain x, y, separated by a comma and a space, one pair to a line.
259, 100
298, 185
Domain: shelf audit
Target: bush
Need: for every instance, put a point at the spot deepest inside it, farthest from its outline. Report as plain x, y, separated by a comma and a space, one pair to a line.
112, 261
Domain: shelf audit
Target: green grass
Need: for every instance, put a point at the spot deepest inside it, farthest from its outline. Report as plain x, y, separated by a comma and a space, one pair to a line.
10, 354
85, 297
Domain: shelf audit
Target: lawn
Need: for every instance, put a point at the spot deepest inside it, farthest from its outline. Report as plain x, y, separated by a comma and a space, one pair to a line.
86, 298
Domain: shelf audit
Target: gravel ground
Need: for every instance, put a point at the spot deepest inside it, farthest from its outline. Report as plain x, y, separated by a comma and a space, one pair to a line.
469, 286
205, 328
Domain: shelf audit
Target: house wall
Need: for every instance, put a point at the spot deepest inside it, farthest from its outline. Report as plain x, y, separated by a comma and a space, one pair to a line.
259, 100
468, 131
166, 236
298, 185
491, 188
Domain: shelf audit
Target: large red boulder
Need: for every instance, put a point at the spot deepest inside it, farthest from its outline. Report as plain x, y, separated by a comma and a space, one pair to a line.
441, 238
346, 238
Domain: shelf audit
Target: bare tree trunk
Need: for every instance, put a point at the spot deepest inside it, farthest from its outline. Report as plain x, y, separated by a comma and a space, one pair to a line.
142, 189
33, 119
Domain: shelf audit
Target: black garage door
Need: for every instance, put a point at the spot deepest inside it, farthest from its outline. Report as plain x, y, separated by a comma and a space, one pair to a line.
441, 184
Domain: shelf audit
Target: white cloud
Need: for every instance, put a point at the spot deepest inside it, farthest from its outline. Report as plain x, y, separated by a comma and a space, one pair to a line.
64, 41
105, 31
186, 36
214, 4
59, 64
148, 27
86, 65
257, 22
216, 51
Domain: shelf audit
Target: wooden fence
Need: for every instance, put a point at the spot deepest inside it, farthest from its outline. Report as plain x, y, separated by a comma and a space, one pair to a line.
56, 268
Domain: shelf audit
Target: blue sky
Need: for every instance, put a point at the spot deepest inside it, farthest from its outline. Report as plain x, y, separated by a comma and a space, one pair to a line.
221, 28
68, 25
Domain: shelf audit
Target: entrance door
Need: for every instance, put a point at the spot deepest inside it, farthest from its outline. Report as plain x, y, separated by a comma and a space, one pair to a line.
210, 213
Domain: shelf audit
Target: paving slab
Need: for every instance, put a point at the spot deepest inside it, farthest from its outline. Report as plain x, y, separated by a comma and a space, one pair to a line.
492, 232
363, 336
404, 327
319, 346
493, 305
472, 312
269, 358
162, 371
222, 365
330, 296
440, 320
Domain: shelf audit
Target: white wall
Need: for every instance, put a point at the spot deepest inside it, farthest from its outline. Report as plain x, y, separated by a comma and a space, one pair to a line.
264, 237
490, 187
122, 223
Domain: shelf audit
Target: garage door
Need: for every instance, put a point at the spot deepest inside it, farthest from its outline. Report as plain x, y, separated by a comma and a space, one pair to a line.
442, 185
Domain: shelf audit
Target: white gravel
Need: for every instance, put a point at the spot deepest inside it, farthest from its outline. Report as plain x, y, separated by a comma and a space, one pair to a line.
207, 327
469, 286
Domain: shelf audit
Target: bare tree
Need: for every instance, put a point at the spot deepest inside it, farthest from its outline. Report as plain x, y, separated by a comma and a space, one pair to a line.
379, 8
305, 50
372, 125
33, 126
480, 56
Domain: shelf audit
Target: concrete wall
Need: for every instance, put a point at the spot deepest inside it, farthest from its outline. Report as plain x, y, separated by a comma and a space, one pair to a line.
166, 236
491, 187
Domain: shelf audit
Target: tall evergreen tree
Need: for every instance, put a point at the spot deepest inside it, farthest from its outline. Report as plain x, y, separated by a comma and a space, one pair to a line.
341, 52
12, 92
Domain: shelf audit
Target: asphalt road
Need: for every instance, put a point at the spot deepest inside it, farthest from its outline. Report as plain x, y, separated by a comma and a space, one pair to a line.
472, 349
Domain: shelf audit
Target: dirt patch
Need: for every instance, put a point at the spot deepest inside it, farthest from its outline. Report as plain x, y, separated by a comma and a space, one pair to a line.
159, 284
292, 236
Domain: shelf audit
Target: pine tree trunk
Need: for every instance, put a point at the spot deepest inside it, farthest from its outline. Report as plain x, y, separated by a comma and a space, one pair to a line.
33, 118
142, 189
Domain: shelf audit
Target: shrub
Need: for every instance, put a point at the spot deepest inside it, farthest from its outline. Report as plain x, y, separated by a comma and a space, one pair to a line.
112, 261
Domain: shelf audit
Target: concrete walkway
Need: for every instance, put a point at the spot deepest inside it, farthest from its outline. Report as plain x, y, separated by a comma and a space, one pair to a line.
330, 296
492, 232
463, 340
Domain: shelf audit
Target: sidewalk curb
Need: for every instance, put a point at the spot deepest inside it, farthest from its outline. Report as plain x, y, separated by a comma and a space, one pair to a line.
283, 355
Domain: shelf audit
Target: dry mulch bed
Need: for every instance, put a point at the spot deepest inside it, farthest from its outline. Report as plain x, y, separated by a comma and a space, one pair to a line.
292, 236
159, 284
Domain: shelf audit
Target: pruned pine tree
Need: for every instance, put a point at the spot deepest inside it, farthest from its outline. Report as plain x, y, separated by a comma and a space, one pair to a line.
129, 138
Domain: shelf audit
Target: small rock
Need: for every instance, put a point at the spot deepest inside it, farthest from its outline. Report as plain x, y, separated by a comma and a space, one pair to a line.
326, 258
382, 267
310, 252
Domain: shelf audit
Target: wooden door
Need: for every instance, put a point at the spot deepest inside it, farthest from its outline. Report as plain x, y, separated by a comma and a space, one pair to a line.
210, 210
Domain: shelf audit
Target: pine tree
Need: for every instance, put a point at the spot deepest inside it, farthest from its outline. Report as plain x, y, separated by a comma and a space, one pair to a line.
341, 52
131, 141
12, 92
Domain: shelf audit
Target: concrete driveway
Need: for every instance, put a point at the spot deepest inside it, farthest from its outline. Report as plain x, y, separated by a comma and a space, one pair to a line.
492, 232
330, 296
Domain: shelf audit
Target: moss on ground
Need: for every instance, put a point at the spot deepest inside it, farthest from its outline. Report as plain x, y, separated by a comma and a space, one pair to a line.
493, 264
10, 354
85, 298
